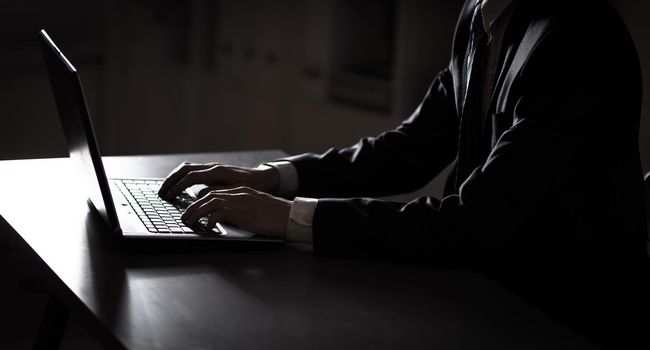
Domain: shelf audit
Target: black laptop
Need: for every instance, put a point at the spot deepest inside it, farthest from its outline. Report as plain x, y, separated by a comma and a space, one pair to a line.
130, 207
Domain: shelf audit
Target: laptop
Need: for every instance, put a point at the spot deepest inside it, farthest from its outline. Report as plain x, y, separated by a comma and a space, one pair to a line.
130, 207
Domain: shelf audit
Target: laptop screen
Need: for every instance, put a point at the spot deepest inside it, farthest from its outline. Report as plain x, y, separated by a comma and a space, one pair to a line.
78, 130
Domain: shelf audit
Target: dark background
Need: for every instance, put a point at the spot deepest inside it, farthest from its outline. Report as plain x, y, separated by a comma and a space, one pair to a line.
169, 76
166, 76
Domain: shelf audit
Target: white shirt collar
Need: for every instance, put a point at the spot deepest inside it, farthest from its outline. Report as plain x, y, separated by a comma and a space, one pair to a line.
491, 10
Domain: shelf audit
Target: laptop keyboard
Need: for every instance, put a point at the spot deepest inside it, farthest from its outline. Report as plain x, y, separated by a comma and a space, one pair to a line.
158, 215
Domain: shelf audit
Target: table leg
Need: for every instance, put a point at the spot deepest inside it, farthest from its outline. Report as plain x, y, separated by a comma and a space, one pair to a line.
53, 325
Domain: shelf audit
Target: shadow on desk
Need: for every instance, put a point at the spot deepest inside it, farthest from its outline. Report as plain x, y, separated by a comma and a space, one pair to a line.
222, 296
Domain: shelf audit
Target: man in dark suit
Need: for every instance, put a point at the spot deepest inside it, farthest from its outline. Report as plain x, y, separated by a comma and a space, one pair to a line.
539, 112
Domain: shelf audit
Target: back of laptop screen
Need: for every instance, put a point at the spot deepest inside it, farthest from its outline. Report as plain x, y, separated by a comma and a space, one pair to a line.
77, 127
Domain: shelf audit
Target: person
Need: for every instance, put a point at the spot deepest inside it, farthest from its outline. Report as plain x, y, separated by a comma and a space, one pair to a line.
539, 112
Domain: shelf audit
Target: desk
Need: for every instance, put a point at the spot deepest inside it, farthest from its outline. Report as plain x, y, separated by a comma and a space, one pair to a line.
279, 299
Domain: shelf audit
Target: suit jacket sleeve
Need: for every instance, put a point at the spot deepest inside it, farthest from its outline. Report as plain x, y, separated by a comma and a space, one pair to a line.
492, 204
508, 190
397, 161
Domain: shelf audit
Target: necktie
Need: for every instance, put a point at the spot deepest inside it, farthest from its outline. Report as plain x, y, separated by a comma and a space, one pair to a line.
470, 154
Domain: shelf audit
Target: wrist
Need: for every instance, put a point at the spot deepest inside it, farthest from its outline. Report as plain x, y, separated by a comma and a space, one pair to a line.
287, 217
268, 178
287, 185
300, 223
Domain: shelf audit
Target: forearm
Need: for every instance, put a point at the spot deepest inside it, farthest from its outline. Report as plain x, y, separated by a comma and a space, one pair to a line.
397, 161
498, 199
371, 228
300, 221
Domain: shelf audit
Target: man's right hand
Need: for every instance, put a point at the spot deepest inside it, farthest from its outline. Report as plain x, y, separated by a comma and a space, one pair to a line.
217, 177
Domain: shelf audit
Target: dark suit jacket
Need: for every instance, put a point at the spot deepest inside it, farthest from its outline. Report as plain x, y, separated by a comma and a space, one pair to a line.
547, 200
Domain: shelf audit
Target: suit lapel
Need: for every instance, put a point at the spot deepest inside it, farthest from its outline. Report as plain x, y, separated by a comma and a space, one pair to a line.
515, 31
516, 56
461, 41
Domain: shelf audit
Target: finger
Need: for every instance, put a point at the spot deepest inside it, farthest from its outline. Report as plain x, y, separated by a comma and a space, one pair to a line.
178, 173
225, 194
219, 216
212, 206
190, 179
204, 192
230, 190
194, 206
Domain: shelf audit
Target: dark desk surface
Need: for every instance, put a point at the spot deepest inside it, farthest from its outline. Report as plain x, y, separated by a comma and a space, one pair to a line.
280, 299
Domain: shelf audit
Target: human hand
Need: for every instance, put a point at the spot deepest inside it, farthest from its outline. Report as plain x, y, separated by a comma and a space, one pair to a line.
217, 177
244, 207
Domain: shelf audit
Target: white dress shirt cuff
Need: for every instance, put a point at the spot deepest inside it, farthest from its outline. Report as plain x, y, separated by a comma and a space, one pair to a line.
301, 217
288, 178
